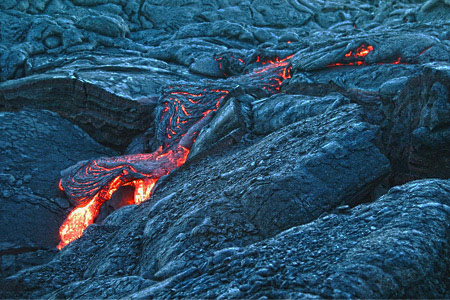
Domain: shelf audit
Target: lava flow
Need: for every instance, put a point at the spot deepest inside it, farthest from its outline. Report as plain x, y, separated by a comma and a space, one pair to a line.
91, 183
280, 70
354, 58
357, 57
182, 112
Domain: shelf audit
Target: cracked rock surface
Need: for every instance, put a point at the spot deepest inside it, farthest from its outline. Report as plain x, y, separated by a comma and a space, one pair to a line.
329, 180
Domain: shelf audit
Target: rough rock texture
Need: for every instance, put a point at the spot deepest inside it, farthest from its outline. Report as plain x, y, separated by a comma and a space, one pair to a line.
410, 48
289, 109
271, 200
420, 143
290, 177
34, 145
101, 63
110, 116
396, 247
229, 123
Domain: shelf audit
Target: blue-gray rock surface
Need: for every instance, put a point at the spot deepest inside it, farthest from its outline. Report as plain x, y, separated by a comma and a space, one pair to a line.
35, 144
331, 182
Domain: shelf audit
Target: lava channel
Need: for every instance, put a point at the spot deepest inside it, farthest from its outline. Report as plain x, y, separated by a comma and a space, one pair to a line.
182, 112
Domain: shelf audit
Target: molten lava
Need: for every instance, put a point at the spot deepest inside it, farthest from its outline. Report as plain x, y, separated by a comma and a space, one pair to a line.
278, 71
183, 111
354, 58
357, 57
77, 221
91, 183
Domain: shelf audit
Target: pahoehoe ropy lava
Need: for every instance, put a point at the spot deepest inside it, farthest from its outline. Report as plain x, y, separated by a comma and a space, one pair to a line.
224, 149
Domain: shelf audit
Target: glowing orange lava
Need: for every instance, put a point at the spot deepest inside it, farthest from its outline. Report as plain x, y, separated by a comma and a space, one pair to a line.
280, 70
357, 57
398, 61
85, 213
91, 183
143, 189
362, 51
354, 58
77, 221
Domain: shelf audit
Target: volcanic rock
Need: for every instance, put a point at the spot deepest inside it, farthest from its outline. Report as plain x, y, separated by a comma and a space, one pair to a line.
280, 110
104, 25
395, 247
229, 123
297, 113
111, 113
387, 49
35, 144
291, 177
419, 128
206, 66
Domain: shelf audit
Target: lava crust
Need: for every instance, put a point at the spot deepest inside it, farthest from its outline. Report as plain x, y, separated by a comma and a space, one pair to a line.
224, 149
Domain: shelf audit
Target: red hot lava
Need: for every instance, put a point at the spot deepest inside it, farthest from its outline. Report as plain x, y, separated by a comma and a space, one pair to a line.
357, 57
278, 69
182, 112
91, 183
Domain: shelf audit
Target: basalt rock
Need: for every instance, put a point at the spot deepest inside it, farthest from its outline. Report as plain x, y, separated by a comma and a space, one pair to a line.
35, 144
396, 247
419, 135
95, 95
280, 110
227, 125
394, 47
296, 113
290, 177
